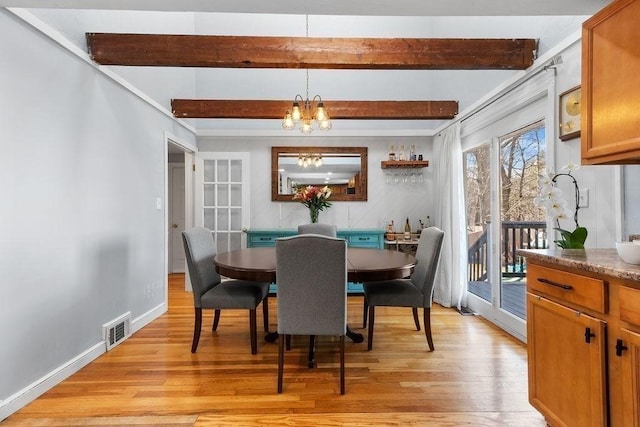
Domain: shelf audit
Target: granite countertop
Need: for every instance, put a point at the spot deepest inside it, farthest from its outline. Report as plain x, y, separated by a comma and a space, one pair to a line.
603, 261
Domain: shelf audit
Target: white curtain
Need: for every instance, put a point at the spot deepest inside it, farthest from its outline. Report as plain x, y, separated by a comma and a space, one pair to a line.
451, 279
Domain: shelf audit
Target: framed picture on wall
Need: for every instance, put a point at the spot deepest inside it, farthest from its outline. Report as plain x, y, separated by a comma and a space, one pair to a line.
570, 108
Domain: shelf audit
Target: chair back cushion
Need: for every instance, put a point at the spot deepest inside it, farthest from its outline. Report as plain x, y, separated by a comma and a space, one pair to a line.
311, 273
318, 228
428, 256
200, 248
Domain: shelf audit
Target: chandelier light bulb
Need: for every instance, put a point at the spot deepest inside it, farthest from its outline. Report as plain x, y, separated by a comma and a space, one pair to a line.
296, 113
287, 121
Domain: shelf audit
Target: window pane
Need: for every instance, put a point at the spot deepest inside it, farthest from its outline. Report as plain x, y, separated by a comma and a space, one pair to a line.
223, 195
210, 219
522, 159
236, 195
223, 171
209, 170
236, 219
236, 170
222, 242
477, 168
223, 219
209, 195
235, 242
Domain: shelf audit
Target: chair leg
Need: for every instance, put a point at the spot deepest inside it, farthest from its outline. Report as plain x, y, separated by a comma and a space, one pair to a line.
372, 316
342, 388
288, 342
265, 313
281, 340
415, 318
427, 327
216, 319
364, 313
252, 331
196, 329
311, 362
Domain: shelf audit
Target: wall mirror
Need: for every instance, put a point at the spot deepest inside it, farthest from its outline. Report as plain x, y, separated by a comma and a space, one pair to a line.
343, 169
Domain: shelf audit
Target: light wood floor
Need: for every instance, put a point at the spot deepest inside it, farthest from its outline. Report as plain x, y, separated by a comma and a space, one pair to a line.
477, 376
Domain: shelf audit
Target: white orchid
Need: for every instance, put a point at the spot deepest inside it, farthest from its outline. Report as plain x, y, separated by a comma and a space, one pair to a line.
551, 199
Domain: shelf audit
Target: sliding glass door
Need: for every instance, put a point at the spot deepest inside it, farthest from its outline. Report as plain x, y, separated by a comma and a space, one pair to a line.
500, 184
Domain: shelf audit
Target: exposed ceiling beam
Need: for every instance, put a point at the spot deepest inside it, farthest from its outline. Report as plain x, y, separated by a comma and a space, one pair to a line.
310, 52
359, 110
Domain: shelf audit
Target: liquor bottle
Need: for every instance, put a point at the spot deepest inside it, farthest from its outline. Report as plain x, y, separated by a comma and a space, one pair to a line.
412, 153
392, 153
407, 230
402, 156
391, 233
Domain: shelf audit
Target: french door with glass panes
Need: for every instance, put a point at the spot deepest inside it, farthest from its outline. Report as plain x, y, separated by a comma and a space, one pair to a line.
222, 197
501, 181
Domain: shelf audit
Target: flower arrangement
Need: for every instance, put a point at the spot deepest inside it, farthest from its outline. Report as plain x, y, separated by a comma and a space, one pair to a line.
314, 198
551, 199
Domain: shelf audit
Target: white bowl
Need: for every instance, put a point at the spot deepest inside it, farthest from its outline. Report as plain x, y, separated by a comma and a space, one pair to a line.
629, 252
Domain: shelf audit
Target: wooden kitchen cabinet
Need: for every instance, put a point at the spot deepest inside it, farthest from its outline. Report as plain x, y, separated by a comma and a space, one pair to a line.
566, 350
611, 85
573, 382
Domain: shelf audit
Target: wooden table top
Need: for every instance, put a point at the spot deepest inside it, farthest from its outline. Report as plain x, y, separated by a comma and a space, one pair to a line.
364, 264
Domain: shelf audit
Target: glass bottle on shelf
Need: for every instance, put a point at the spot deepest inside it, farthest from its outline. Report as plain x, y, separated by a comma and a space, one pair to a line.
407, 230
412, 153
391, 233
402, 156
392, 152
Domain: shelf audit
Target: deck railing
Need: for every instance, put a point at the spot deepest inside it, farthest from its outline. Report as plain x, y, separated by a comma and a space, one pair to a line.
515, 235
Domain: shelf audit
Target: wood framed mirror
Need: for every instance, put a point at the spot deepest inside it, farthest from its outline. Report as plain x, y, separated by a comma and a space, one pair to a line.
343, 169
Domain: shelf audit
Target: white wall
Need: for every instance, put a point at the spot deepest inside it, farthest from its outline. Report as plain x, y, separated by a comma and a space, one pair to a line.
82, 242
385, 201
631, 201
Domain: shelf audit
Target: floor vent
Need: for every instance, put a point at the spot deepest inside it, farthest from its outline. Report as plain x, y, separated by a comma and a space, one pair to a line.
117, 330
465, 311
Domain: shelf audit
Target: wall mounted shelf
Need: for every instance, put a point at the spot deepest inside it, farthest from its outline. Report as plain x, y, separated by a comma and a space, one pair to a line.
396, 164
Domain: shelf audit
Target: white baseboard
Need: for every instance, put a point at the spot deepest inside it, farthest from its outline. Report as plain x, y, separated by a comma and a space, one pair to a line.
42, 385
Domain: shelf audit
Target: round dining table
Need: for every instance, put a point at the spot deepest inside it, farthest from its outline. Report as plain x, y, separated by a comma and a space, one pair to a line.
363, 265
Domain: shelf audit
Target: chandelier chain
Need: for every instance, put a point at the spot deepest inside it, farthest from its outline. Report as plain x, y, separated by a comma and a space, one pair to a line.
307, 35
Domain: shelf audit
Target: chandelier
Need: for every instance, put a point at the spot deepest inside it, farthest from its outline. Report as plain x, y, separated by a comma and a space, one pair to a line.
309, 112
310, 160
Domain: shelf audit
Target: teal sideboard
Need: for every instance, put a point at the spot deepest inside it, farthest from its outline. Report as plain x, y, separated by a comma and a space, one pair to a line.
356, 238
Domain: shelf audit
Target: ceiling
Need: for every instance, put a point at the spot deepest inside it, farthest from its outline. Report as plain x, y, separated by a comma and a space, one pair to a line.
548, 21
338, 7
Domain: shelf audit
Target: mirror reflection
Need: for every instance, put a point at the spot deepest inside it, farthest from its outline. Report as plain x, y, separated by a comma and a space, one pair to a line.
343, 169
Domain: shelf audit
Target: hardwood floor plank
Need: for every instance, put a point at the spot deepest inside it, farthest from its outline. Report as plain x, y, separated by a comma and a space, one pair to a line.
476, 376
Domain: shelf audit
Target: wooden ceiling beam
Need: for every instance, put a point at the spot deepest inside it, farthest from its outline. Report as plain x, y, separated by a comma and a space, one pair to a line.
310, 52
359, 110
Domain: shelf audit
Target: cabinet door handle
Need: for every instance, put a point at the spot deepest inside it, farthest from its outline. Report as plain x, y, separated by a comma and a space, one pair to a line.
556, 284
588, 335
620, 347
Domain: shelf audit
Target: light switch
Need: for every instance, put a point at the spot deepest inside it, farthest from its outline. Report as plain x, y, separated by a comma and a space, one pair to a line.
158, 203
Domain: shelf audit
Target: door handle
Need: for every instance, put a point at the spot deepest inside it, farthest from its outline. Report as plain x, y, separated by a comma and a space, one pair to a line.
174, 225
588, 335
620, 347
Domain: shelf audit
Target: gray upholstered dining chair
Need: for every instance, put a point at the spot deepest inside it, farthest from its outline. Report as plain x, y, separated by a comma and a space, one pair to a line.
209, 291
318, 228
329, 230
311, 272
416, 291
